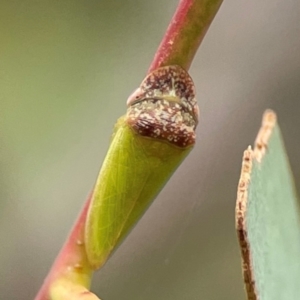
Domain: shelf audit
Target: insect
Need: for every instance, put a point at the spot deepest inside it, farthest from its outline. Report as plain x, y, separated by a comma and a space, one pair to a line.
148, 144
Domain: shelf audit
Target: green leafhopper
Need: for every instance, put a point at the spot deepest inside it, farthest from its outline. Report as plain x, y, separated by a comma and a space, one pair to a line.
149, 143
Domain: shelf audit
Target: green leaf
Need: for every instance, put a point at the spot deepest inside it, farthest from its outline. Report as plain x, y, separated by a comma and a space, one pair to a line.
267, 218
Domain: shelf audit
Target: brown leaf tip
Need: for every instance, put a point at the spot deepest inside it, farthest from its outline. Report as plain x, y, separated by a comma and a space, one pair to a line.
260, 146
261, 142
240, 223
243, 185
165, 107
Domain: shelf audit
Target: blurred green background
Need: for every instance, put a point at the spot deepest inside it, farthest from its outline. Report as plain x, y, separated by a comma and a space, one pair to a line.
66, 69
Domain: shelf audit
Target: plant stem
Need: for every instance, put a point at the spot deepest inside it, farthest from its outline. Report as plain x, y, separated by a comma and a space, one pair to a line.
185, 33
70, 275
71, 264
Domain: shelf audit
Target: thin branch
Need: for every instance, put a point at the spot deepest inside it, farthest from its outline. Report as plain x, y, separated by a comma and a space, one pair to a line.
185, 33
71, 264
70, 275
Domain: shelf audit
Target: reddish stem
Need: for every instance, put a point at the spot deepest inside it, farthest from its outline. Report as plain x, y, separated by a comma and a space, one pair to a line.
71, 257
185, 33
182, 39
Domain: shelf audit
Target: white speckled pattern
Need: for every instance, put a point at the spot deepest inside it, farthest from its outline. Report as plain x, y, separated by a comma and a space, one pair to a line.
165, 107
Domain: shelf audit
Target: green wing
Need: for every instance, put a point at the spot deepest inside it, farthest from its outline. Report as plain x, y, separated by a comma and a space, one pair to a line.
134, 171
148, 144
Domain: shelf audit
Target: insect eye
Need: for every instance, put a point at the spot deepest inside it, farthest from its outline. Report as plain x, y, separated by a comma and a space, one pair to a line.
136, 96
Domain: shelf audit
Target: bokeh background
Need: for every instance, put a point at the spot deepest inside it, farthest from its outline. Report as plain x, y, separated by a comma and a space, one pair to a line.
66, 69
